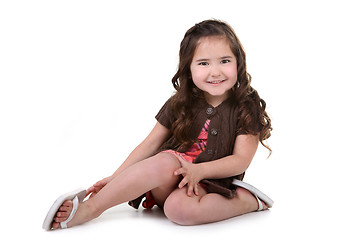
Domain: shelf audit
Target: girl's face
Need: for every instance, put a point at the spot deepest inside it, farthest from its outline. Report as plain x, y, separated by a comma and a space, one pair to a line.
214, 69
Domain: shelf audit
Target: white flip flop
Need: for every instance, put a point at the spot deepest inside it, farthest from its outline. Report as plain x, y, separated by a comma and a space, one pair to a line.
77, 196
256, 192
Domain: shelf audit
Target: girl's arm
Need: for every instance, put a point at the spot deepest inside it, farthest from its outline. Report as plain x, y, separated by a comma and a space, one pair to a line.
235, 164
147, 148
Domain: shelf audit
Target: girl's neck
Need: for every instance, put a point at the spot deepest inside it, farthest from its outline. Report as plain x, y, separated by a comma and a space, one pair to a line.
215, 100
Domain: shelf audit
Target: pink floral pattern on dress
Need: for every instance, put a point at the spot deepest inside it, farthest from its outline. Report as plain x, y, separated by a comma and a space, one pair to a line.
198, 147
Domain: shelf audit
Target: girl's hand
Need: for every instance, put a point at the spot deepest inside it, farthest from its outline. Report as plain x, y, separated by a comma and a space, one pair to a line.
93, 190
192, 176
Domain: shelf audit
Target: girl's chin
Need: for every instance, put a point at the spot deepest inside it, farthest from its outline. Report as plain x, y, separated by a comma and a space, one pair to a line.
216, 96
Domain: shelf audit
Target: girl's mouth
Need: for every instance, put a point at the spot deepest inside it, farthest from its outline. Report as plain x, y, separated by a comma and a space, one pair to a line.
216, 82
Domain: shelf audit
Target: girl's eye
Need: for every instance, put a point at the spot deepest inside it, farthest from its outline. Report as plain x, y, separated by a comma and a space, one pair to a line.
225, 61
203, 63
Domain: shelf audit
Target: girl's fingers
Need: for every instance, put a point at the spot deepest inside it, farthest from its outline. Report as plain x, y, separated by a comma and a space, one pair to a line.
190, 190
90, 190
196, 190
98, 184
179, 171
193, 189
96, 187
183, 182
101, 183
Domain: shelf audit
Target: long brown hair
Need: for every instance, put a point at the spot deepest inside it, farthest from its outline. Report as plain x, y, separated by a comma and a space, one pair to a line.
252, 114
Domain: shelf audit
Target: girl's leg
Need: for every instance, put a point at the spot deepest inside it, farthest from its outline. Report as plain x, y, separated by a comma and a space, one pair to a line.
155, 173
207, 207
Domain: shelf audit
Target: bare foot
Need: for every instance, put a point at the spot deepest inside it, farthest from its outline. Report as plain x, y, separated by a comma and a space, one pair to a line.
62, 214
82, 215
249, 199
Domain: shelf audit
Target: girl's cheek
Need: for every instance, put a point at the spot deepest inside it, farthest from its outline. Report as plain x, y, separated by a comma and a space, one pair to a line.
198, 74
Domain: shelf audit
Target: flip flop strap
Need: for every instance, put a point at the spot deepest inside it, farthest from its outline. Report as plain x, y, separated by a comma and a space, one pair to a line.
72, 214
261, 206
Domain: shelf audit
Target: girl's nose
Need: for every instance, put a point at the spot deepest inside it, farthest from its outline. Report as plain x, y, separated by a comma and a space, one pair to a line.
215, 71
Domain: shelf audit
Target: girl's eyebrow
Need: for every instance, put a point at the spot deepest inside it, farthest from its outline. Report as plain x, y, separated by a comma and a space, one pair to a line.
207, 59
203, 60
226, 57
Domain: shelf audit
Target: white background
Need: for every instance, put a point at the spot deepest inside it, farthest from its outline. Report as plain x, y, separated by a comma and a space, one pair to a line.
81, 82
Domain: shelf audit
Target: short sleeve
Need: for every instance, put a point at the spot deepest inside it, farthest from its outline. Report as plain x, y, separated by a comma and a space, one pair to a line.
165, 116
239, 129
253, 127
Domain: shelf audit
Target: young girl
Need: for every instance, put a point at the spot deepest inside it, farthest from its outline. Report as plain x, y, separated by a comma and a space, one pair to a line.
205, 137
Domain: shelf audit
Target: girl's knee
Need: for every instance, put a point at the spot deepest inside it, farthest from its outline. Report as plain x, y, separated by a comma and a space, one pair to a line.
178, 211
161, 167
173, 210
164, 163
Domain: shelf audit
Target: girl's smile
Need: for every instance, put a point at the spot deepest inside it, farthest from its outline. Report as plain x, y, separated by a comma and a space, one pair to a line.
217, 82
214, 68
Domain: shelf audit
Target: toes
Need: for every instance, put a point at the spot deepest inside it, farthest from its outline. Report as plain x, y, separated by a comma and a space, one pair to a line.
56, 225
66, 206
59, 219
62, 214
67, 203
264, 206
65, 209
